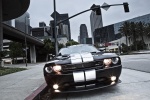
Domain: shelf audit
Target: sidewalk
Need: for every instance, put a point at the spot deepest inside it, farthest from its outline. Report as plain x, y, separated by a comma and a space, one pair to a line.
19, 85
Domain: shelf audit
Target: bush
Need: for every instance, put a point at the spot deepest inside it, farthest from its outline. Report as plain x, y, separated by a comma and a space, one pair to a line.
5, 71
125, 48
140, 45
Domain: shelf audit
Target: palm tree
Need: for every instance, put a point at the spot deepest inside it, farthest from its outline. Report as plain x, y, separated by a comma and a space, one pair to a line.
141, 30
134, 36
148, 29
124, 30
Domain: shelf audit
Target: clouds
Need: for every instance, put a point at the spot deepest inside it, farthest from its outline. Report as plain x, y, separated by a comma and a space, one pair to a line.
40, 10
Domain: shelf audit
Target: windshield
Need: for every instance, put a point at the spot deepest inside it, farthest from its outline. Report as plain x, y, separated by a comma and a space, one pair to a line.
78, 49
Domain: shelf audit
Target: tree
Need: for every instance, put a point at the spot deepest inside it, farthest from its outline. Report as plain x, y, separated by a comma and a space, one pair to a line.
147, 28
133, 31
60, 46
141, 30
71, 42
124, 30
48, 48
16, 50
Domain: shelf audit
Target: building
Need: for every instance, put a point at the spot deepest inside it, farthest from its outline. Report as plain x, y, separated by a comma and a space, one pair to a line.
42, 24
111, 36
64, 27
5, 41
104, 35
96, 22
22, 23
42, 32
87, 40
83, 33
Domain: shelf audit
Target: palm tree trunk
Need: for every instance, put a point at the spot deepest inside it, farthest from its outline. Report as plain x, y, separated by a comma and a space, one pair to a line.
127, 43
143, 41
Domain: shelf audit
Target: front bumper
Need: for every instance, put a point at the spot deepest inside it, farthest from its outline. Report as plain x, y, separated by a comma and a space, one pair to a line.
67, 83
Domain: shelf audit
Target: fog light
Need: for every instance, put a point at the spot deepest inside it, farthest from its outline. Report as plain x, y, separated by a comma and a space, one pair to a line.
113, 78
112, 83
57, 90
55, 86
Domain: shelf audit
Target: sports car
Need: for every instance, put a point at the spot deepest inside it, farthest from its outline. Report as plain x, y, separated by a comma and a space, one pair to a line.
81, 68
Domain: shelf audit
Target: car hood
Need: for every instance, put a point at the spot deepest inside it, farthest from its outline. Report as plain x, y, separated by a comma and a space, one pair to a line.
81, 57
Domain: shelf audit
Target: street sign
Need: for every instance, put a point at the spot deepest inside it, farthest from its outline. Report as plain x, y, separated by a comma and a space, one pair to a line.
105, 6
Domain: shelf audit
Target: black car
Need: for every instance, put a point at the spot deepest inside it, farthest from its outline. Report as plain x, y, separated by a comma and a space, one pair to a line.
81, 68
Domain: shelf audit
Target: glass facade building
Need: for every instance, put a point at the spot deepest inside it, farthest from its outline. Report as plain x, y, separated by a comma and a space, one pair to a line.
110, 33
96, 22
22, 23
83, 33
65, 24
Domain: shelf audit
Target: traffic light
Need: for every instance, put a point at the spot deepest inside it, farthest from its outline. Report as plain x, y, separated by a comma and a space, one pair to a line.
96, 9
126, 7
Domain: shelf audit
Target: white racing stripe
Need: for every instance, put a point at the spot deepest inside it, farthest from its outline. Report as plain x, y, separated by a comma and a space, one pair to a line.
78, 76
76, 58
90, 75
87, 57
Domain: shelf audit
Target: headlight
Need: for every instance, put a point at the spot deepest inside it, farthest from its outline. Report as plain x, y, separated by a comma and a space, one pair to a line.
107, 62
55, 86
115, 60
57, 68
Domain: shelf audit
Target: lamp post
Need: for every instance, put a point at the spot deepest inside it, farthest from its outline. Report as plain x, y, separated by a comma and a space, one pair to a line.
26, 31
56, 42
1, 28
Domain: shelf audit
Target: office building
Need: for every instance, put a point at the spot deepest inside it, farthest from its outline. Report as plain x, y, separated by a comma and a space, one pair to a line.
42, 24
109, 35
83, 33
42, 32
96, 22
64, 27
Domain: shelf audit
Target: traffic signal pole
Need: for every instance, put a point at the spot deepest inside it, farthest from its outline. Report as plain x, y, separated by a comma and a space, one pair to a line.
56, 42
1, 27
94, 8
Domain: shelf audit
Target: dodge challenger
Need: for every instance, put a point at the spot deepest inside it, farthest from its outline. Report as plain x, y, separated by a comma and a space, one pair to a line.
82, 68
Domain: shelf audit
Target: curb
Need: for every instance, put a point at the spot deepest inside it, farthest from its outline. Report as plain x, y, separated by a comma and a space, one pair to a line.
36, 95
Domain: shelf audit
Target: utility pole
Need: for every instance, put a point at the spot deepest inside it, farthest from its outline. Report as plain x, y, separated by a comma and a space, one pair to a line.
55, 19
26, 31
1, 27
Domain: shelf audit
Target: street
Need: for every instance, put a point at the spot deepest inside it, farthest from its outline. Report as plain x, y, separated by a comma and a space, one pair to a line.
139, 62
134, 86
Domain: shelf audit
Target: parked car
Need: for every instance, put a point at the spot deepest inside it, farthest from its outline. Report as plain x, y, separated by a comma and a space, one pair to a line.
81, 68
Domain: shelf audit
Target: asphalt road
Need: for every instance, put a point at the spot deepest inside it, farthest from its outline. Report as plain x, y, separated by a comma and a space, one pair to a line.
139, 62
135, 84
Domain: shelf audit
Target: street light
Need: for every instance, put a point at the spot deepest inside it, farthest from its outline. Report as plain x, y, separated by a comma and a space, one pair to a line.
56, 42
26, 31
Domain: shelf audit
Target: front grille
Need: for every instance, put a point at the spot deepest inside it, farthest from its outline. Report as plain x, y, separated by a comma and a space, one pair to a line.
85, 65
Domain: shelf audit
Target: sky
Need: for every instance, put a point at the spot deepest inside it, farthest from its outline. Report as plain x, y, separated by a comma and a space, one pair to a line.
40, 10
